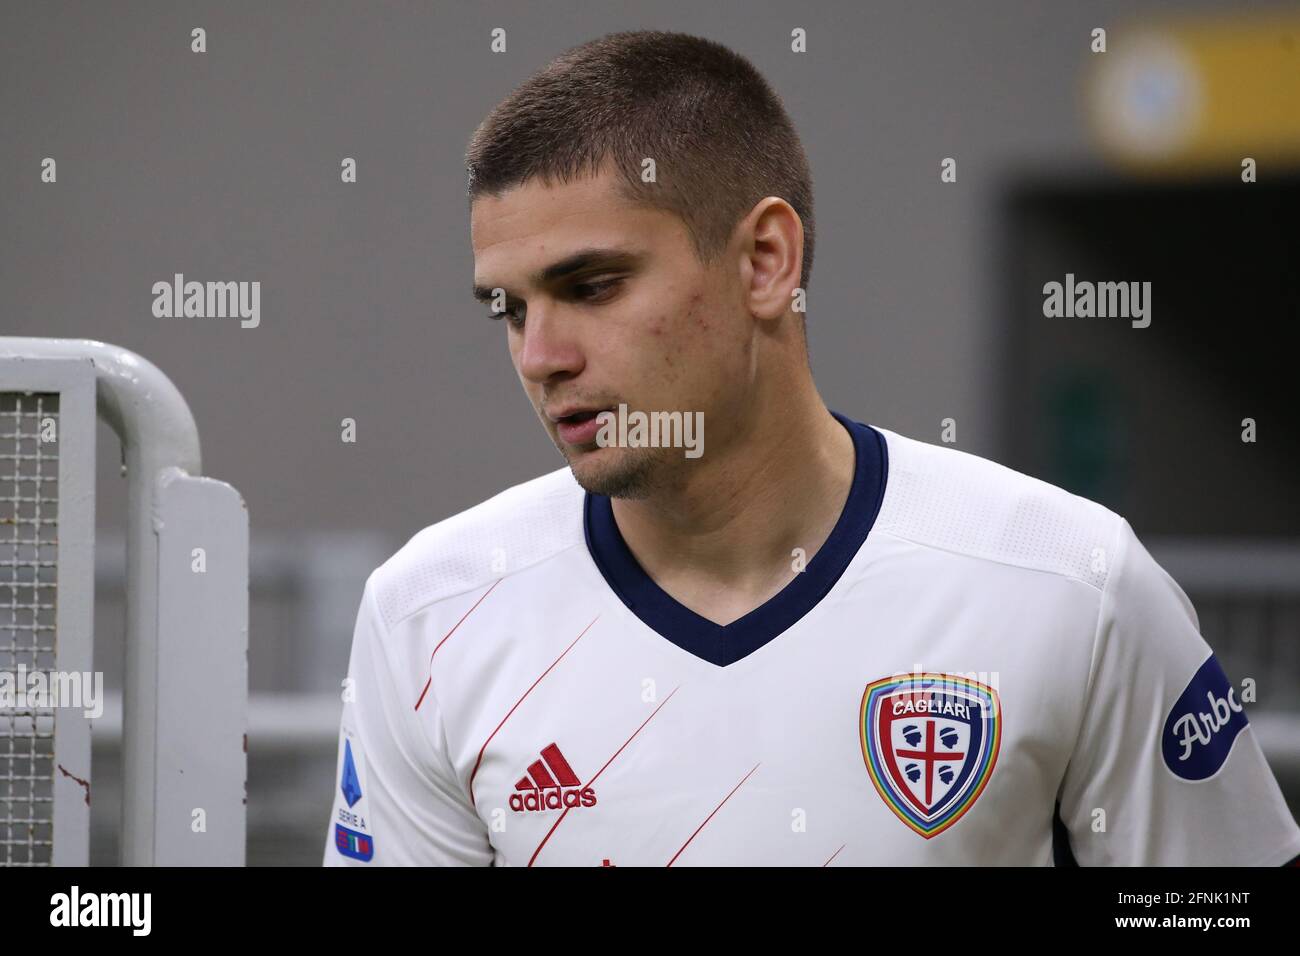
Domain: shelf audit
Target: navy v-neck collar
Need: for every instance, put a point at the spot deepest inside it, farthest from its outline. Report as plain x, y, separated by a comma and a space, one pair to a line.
725, 644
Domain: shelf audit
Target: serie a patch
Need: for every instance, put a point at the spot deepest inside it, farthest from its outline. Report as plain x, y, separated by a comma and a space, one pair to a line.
351, 832
1203, 724
930, 742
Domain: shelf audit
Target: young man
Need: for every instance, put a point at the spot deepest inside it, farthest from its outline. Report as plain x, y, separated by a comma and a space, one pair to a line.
791, 639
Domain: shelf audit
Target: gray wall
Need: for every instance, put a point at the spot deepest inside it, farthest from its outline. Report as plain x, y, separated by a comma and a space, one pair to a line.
225, 166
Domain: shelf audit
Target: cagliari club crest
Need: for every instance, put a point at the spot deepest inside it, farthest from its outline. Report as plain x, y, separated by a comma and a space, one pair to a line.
930, 742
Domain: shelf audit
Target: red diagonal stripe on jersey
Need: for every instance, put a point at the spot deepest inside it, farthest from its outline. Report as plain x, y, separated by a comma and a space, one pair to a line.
523, 783
599, 772
834, 855
710, 816
474, 772
537, 770
563, 772
449, 634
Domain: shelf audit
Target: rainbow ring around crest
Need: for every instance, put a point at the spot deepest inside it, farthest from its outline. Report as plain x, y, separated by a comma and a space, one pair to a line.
930, 742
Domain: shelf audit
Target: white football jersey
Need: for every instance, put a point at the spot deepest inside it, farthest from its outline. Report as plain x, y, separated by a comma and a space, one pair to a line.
969, 648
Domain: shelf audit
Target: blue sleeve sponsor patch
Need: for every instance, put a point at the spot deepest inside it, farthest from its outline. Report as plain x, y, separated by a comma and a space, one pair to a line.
1202, 725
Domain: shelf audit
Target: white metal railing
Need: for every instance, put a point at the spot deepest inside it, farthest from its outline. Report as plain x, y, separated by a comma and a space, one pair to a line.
185, 702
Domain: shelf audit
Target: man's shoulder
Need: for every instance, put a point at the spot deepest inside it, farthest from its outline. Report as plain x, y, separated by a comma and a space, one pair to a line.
943, 498
509, 532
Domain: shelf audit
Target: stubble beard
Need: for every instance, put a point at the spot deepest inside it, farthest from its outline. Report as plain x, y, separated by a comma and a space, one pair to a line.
633, 473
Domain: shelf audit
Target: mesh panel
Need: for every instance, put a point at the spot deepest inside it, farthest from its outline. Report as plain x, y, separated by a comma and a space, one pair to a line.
28, 579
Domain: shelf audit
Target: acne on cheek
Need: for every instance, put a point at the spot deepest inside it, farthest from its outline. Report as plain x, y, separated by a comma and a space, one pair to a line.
694, 314
694, 311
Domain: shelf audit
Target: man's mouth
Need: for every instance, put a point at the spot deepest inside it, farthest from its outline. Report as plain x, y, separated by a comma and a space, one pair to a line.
577, 417
579, 427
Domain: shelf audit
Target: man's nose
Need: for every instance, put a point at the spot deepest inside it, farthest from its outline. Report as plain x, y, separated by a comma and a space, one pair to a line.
550, 346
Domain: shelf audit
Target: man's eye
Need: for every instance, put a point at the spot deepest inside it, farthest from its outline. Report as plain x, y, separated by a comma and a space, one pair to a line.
585, 291
595, 288
508, 314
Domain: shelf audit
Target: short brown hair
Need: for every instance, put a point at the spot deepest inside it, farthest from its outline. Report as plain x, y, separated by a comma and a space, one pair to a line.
719, 135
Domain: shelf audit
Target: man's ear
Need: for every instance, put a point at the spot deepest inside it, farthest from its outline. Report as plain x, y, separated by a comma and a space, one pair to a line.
776, 251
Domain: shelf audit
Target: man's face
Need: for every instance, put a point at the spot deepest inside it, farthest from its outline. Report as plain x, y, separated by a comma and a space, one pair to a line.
615, 309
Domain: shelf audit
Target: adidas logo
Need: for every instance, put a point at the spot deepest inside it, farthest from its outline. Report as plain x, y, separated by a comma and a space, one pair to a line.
550, 784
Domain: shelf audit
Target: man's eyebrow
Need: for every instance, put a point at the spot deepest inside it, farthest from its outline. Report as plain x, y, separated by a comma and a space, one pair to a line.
583, 259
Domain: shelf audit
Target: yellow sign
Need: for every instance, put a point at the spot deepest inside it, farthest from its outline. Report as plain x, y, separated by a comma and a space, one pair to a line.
1200, 92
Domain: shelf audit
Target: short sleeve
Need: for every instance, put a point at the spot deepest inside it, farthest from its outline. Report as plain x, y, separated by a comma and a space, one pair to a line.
396, 799
1166, 770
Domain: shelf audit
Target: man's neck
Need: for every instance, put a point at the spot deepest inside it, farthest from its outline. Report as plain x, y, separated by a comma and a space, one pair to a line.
724, 542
